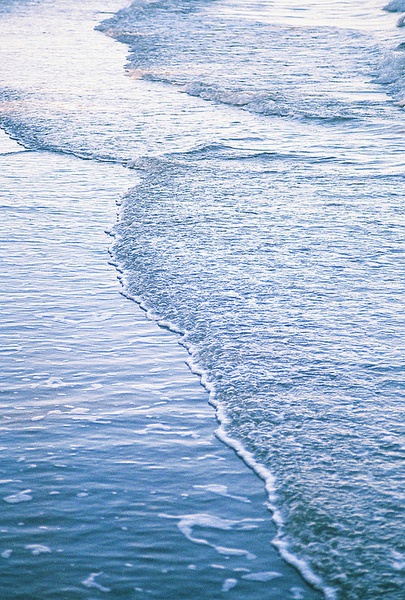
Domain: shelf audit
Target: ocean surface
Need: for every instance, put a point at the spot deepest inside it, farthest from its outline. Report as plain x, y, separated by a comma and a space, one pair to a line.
255, 150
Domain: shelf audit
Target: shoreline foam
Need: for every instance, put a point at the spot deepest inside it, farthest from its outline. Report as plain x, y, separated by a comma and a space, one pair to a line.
260, 470
70, 400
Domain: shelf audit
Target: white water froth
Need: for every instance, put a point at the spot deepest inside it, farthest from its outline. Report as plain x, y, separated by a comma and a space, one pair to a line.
18, 497
90, 582
236, 445
221, 490
261, 471
262, 576
37, 549
186, 522
229, 584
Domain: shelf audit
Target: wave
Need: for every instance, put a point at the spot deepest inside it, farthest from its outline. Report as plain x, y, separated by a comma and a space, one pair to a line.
274, 342
279, 267
265, 103
227, 62
391, 69
281, 541
280, 103
239, 153
33, 140
391, 73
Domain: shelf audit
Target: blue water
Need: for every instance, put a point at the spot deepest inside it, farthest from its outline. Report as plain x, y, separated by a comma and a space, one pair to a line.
266, 226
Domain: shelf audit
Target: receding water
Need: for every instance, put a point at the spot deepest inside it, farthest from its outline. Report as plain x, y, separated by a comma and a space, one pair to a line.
111, 481
264, 224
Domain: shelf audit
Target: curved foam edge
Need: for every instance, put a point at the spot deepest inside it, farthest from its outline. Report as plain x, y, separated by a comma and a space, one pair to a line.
260, 470
270, 485
32, 145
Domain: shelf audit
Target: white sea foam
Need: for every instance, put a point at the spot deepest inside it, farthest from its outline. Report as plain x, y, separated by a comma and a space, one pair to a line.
18, 497
229, 584
186, 523
297, 593
264, 103
225, 551
299, 297
262, 576
37, 549
398, 560
221, 490
90, 582
270, 484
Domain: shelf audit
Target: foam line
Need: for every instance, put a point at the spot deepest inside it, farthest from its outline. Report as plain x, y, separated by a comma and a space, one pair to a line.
248, 458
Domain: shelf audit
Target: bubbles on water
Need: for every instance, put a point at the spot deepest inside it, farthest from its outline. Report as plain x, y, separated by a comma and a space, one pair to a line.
398, 560
286, 371
18, 497
221, 490
187, 523
262, 576
297, 593
90, 582
229, 584
37, 549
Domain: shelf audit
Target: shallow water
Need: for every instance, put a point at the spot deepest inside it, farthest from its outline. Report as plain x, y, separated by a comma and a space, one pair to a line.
112, 482
267, 228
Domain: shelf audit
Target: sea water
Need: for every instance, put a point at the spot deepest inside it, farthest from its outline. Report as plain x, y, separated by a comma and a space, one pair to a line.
265, 226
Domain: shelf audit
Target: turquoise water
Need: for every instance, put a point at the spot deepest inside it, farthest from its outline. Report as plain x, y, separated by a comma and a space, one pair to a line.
264, 224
